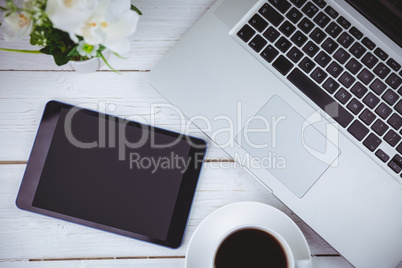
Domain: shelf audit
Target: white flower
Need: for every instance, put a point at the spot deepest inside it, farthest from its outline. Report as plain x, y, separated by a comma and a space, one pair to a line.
110, 25
87, 50
70, 15
106, 22
16, 26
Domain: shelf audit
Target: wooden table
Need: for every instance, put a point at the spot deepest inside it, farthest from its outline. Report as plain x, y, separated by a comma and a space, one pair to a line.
27, 82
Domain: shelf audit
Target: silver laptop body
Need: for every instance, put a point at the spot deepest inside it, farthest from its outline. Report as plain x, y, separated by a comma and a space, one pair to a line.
327, 171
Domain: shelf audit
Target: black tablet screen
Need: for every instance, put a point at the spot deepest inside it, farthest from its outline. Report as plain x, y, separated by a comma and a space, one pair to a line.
89, 175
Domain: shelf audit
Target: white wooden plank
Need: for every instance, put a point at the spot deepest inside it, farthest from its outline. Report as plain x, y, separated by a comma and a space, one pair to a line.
145, 263
26, 235
327, 262
127, 95
163, 23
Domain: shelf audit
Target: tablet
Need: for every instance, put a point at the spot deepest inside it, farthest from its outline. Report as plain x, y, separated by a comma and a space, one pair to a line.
112, 174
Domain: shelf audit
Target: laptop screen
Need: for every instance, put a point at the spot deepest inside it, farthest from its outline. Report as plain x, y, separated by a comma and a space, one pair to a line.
385, 14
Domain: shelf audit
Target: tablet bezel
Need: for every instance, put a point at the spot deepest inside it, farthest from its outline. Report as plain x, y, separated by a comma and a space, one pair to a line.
38, 157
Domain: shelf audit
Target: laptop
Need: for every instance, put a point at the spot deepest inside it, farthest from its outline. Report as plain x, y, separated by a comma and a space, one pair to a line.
307, 97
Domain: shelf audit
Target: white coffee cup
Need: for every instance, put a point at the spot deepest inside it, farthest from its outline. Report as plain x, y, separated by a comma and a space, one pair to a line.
223, 223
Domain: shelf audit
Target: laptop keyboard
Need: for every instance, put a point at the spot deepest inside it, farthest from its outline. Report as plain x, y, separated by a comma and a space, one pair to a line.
336, 66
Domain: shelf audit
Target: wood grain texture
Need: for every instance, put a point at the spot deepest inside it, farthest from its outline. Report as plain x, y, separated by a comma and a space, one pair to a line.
26, 235
327, 262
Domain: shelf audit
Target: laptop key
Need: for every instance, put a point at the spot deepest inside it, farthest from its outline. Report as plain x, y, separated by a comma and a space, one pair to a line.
390, 97
307, 65
369, 60
330, 45
394, 166
380, 53
355, 106
346, 40
319, 97
354, 66
246, 33
257, 43
372, 142
258, 23
398, 107
335, 69
269, 53
333, 30
281, 5
366, 76
271, 34
317, 35
371, 100
294, 15
319, 75
322, 20
358, 130
310, 10
331, 12
283, 44
298, 3
367, 117
295, 55
359, 90
347, 79
378, 86
299, 39
311, 49
379, 127
306, 25
341, 56
283, 65
393, 64
381, 70
368, 43
343, 22
382, 155
357, 50
343, 96
394, 81
392, 138
383, 111
395, 121
331, 85
320, 3
399, 148
356, 33
323, 59
271, 14
287, 28
398, 160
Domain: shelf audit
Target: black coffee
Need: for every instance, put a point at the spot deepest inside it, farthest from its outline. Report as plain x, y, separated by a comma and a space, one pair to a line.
250, 248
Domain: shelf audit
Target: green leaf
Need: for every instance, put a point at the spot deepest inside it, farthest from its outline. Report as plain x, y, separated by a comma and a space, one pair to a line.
60, 58
46, 50
134, 8
121, 57
21, 50
73, 53
107, 63
3, 8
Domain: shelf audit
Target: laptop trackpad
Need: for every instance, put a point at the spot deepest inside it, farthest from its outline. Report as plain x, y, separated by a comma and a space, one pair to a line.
287, 145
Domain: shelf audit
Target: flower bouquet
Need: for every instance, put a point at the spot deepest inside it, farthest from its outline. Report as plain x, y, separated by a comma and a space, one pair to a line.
71, 30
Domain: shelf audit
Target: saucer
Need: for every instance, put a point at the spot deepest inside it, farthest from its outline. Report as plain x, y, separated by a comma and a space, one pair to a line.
208, 235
